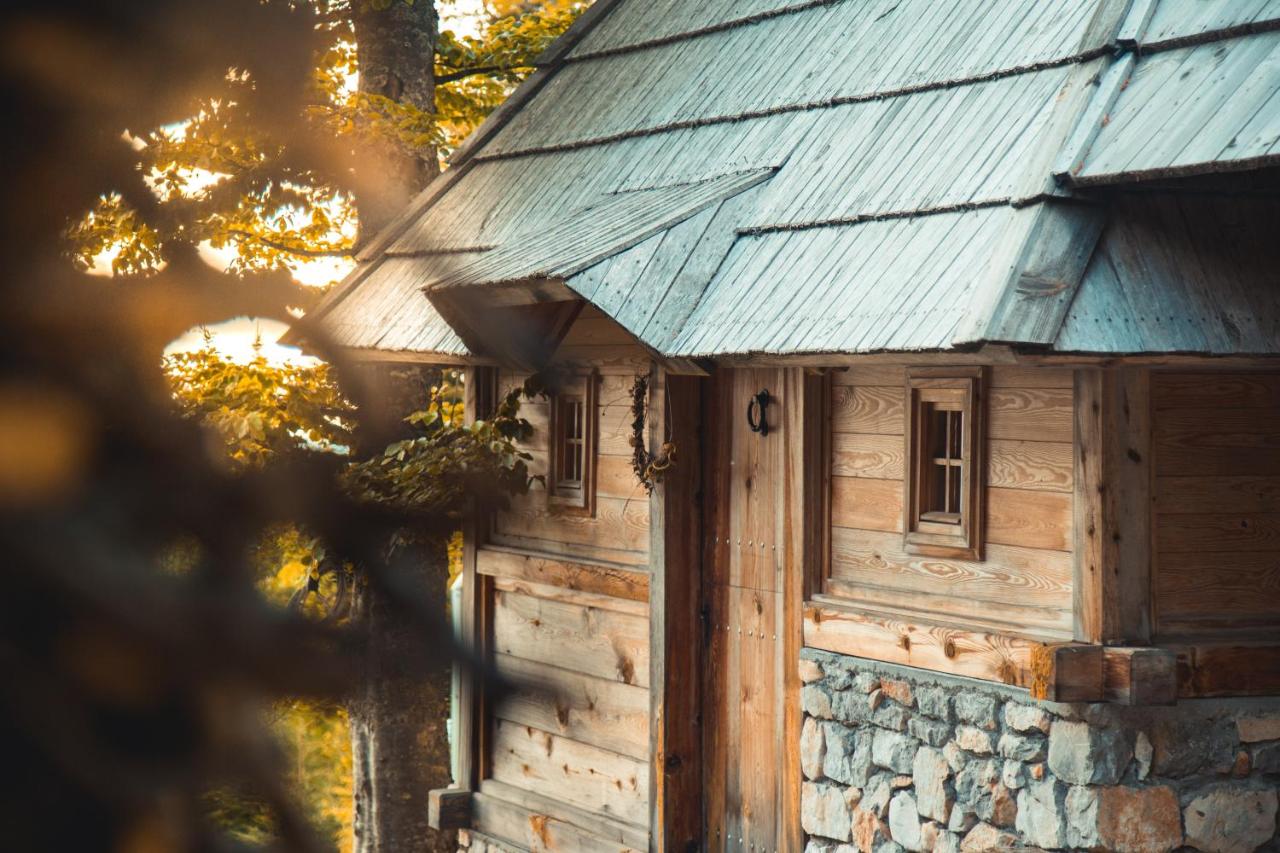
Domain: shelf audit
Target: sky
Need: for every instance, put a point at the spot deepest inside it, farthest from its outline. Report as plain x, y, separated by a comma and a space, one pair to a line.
236, 338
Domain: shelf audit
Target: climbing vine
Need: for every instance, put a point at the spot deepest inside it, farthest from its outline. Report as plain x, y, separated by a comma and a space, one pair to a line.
649, 468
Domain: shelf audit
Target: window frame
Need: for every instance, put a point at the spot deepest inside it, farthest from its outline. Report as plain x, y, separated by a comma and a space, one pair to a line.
577, 496
959, 389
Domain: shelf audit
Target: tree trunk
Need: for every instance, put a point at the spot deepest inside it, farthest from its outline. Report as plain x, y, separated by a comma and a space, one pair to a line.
395, 49
399, 739
400, 746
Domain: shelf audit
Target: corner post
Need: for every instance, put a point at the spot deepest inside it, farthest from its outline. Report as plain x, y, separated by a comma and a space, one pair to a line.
1112, 507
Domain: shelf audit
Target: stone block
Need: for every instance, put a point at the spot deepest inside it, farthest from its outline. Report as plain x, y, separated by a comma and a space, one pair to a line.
876, 795
890, 847
1013, 774
818, 845
898, 691
1138, 820
1184, 747
984, 838
978, 709
816, 701
1230, 819
1257, 728
893, 750
1083, 754
813, 748
955, 755
975, 779
933, 701
1082, 816
852, 707
824, 811
865, 682
975, 740
893, 717
868, 829
1042, 814
931, 773
998, 807
948, 842
1023, 747
1266, 758
1027, 718
810, 671
929, 835
962, 820
848, 755
1142, 753
904, 821
932, 732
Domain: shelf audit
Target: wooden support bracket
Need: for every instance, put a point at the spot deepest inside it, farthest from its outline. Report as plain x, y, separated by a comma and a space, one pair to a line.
449, 808
1068, 673
1141, 676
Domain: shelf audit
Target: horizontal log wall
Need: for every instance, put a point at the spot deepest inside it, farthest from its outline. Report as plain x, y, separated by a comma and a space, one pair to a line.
1024, 583
568, 759
1216, 502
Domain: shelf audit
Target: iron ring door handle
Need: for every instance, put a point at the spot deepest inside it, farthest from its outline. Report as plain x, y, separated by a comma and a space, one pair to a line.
760, 402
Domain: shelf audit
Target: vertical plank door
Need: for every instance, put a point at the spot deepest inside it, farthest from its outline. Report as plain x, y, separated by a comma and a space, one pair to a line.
745, 739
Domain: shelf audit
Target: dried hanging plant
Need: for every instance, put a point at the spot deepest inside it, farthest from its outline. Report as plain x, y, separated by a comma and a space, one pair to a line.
649, 468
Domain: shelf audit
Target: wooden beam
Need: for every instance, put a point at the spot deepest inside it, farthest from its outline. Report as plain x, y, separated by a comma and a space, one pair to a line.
1067, 673
1112, 506
1044, 667
1228, 669
1140, 676
675, 778
449, 808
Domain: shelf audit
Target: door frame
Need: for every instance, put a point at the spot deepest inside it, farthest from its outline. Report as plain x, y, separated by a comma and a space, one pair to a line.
804, 522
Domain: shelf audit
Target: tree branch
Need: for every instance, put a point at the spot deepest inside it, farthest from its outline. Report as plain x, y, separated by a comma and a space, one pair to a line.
463, 73
292, 250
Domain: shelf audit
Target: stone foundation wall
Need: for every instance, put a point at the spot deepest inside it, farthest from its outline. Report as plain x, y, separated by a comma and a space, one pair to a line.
901, 759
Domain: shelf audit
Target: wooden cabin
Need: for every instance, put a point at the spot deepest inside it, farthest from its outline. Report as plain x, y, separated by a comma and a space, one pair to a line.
961, 320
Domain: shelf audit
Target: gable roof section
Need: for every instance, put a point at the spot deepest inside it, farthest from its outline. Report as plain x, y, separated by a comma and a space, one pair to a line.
743, 176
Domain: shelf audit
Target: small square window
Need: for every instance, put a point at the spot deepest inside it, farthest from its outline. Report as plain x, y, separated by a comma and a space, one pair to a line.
571, 480
943, 510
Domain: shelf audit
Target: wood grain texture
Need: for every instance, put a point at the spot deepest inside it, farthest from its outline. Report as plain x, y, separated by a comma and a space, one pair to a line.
878, 457
1030, 519
619, 524
1216, 502
603, 713
1223, 533
589, 600
866, 504
868, 409
1228, 669
988, 656
611, 830
602, 643
600, 579
1037, 465
1030, 414
674, 747
584, 776
538, 833
1112, 507
1008, 576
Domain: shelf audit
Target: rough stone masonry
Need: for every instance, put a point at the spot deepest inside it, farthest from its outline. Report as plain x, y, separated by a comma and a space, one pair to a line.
899, 759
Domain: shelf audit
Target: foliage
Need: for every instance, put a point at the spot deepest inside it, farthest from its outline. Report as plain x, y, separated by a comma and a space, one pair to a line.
260, 409
273, 204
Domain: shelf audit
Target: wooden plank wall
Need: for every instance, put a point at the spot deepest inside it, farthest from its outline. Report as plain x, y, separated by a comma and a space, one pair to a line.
568, 761
1026, 577
1216, 502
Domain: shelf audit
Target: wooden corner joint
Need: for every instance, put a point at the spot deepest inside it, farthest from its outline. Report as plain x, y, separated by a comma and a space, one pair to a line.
1125, 675
449, 808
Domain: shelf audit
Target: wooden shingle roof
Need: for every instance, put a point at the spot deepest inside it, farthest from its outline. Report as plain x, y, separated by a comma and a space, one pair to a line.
832, 176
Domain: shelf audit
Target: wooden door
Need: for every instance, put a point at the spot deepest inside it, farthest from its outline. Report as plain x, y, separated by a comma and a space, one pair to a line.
749, 751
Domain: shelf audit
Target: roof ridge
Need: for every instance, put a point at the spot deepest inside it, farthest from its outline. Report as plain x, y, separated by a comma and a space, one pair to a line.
731, 24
